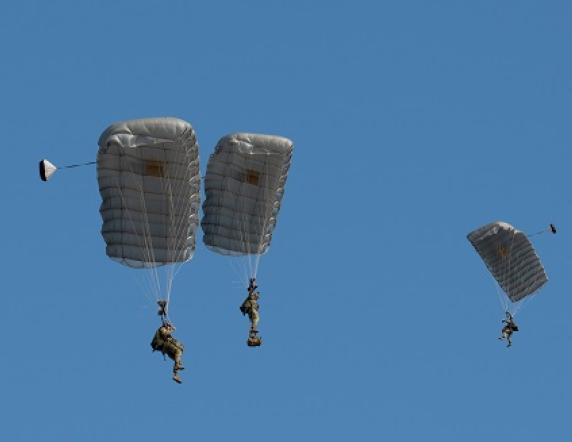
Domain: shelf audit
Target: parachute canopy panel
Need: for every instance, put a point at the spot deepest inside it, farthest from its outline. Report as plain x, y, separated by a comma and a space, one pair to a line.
511, 259
47, 169
149, 181
244, 186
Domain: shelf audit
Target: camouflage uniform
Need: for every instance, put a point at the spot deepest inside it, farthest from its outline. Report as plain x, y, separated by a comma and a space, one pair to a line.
164, 342
250, 307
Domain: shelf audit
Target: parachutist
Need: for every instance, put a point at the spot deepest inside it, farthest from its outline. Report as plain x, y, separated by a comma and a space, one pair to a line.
250, 307
508, 329
165, 342
553, 228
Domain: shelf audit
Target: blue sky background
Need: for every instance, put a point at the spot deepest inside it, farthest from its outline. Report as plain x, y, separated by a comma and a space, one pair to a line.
414, 122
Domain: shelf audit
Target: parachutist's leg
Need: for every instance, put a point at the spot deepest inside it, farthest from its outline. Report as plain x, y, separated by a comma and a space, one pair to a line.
254, 319
505, 334
178, 360
178, 365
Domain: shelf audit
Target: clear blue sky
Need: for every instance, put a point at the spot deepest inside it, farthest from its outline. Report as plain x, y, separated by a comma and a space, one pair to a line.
414, 122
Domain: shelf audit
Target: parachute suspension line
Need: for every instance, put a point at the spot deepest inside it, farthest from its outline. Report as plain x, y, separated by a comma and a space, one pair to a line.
251, 223
150, 282
245, 236
150, 271
514, 307
268, 212
149, 247
167, 267
167, 188
144, 288
500, 294
126, 213
239, 271
240, 264
175, 250
519, 304
263, 220
182, 224
505, 252
508, 301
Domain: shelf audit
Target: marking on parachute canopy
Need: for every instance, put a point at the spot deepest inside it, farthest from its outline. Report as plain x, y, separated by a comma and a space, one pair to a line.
502, 250
155, 168
252, 176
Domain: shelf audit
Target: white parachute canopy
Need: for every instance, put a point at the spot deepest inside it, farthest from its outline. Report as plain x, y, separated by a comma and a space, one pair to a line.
244, 185
149, 181
47, 169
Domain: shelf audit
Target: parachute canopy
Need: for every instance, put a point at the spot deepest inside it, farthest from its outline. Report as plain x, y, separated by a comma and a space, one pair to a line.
47, 169
148, 175
244, 186
511, 259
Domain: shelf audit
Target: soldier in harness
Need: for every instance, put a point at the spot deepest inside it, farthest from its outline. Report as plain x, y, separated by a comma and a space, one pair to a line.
165, 342
508, 329
250, 307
